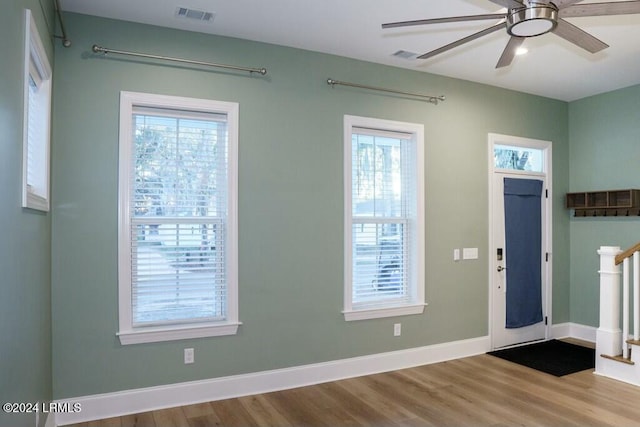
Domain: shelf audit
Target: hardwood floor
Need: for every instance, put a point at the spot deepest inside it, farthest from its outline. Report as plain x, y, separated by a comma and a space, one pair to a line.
475, 391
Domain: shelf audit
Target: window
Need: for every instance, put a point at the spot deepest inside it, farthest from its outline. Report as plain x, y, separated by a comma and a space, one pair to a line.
177, 218
384, 225
37, 113
518, 158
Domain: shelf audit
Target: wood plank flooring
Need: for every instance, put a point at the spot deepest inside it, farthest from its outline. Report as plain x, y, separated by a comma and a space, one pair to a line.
475, 391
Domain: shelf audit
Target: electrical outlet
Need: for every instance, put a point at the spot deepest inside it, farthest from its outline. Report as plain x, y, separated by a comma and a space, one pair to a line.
397, 329
189, 356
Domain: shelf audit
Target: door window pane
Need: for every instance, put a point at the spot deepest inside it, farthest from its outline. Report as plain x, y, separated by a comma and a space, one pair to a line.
518, 158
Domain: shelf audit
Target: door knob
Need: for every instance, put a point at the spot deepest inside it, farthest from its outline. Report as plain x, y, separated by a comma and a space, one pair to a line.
500, 268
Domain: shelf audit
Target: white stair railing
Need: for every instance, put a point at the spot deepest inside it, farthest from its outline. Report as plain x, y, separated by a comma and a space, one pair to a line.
610, 339
636, 284
628, 304
609, 335
625, 307
636, 295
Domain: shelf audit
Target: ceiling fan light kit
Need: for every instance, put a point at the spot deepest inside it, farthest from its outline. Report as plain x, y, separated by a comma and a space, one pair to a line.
532, 18
532, 21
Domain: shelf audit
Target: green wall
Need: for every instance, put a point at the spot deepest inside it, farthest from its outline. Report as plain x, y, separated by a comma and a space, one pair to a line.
25, 280
605, 154
290, 203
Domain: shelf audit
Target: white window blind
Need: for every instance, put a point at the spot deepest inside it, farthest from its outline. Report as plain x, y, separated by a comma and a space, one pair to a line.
382, 218
34, 135
178, 260
178, 217
37, 92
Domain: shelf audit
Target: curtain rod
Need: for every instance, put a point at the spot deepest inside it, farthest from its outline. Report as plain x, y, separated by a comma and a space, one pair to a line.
100, 49
429, 98
65, 40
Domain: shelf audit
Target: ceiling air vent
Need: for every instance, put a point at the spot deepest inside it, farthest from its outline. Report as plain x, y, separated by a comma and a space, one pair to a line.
198, 15
404, 54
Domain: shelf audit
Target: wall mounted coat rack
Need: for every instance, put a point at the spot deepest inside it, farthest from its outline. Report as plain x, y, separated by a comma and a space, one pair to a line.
605, 203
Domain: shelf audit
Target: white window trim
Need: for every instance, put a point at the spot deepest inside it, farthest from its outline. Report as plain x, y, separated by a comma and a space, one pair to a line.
418, 305
127, 333
34, 53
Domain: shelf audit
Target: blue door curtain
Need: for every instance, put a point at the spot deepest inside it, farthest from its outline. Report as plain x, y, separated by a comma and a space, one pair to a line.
523, 249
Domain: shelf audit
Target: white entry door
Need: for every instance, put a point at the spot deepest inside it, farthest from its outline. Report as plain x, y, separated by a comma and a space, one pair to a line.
519, 243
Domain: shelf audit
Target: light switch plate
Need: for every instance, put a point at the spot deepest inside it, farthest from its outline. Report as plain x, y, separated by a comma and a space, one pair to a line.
470, 253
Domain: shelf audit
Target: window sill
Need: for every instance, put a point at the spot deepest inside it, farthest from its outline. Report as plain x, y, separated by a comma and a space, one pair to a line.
35, 202
375, 313
158, 334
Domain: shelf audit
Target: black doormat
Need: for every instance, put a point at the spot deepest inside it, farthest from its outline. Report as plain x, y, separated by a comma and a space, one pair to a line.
553, 357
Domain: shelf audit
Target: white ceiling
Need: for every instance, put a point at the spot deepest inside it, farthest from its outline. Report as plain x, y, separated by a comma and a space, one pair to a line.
553, 67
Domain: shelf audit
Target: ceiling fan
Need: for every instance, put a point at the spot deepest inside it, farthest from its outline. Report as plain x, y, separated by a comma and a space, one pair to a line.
531, 18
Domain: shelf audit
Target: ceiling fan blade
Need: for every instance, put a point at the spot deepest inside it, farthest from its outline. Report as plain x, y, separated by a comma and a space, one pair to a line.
560, 4
509, 51
444, 20
600, 9
509, 4
579, 37
464, 40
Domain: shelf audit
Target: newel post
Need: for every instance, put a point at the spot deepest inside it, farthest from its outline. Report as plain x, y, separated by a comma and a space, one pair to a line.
609, 335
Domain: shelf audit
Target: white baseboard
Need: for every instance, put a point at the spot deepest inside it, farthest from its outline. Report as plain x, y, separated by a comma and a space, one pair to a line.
574, 330
127, 402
